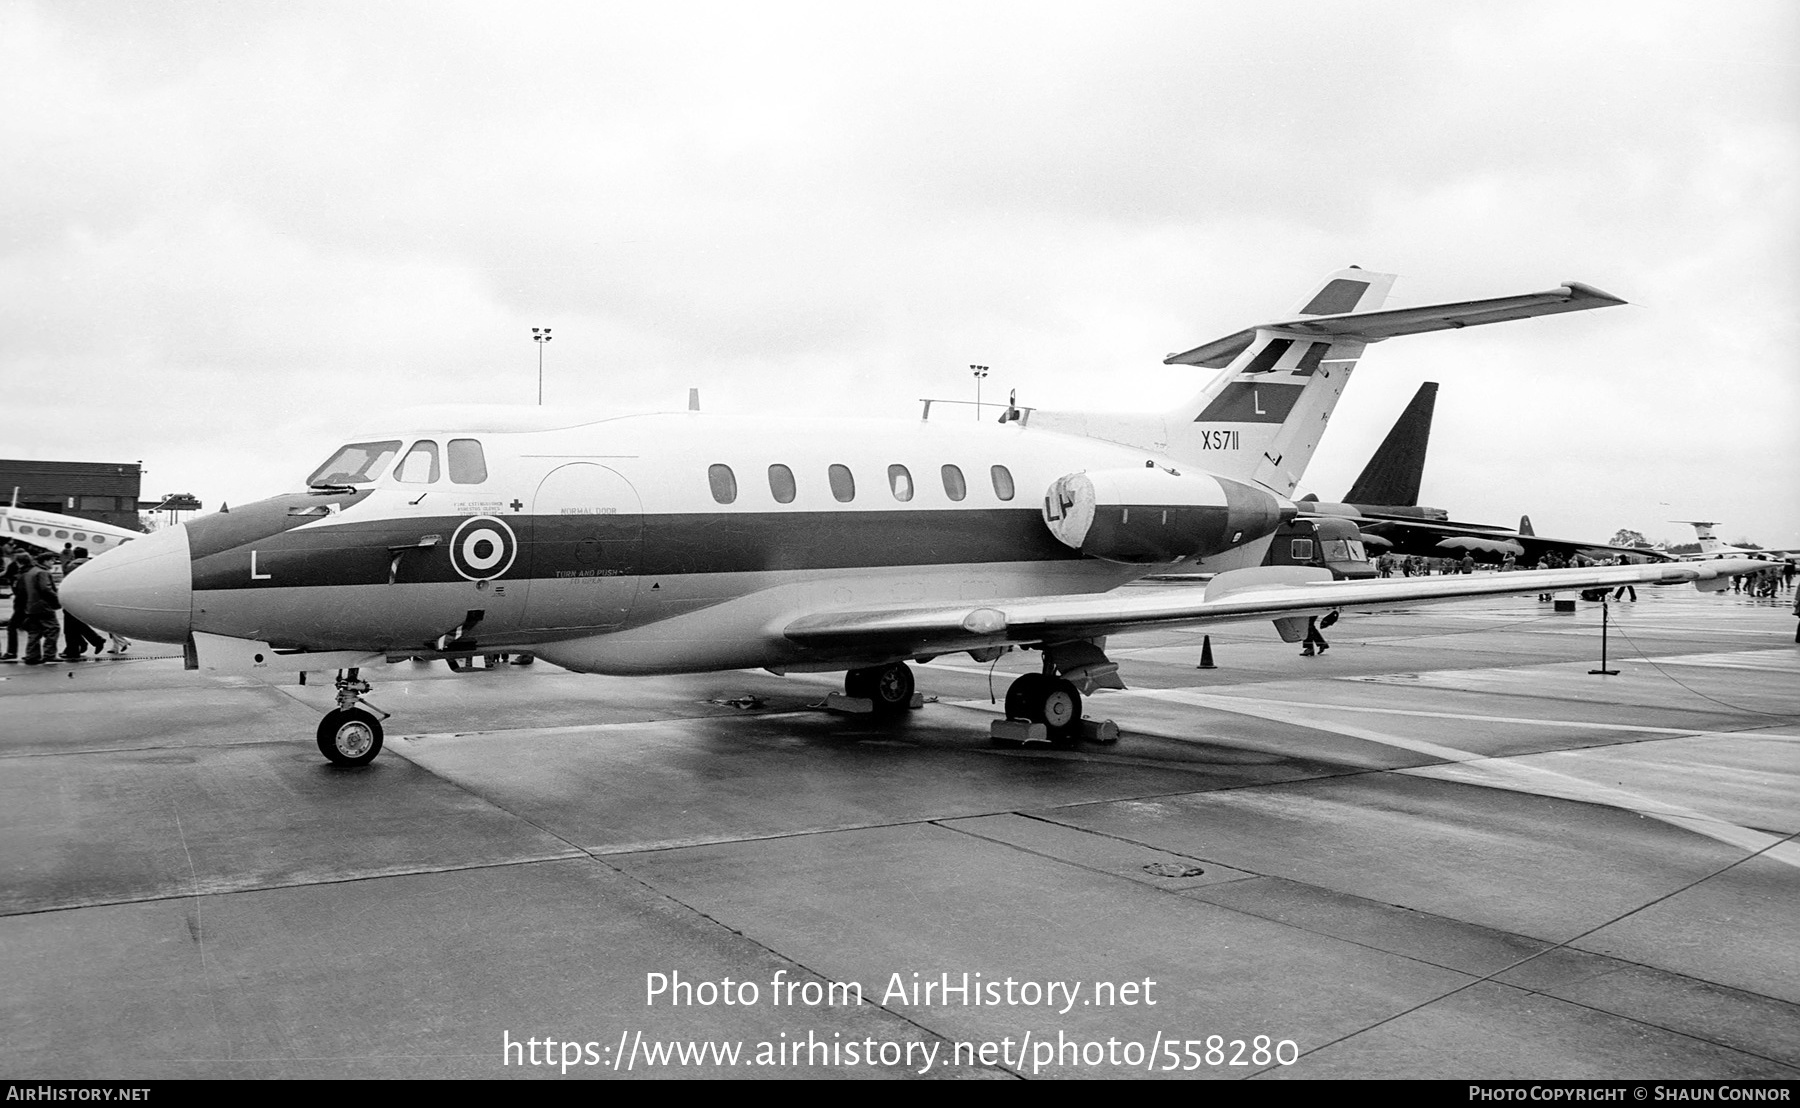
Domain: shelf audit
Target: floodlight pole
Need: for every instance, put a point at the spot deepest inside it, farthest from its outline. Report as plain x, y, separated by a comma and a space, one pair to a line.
540, 335
980, 371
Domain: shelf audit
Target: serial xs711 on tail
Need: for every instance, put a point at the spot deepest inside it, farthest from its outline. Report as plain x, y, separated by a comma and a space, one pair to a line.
684, 542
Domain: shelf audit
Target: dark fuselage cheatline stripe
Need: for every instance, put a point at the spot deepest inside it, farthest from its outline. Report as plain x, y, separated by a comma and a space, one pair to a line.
363, 552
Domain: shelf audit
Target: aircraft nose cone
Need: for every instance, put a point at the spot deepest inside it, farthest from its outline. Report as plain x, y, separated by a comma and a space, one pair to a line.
142, 590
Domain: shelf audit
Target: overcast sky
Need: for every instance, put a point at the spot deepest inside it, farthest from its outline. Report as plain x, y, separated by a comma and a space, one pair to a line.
235, 232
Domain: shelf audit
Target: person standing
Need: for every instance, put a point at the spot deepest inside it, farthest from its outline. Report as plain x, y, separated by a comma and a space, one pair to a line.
41, 605
1313, 638
78, 637
14, 579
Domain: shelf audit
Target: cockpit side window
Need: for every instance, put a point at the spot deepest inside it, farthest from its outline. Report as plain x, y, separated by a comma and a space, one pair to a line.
420, 466
355, 464
468, 465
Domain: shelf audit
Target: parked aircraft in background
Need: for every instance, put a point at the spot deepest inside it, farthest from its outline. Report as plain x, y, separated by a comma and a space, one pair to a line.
686, 541
1384, 503
1711, 546
53, 531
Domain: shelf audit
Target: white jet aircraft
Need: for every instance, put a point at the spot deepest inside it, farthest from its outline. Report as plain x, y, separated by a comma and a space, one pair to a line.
686, 541
52, 530
1711, 546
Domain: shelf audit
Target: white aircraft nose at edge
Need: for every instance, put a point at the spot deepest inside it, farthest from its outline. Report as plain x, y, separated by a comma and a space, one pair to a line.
686, 542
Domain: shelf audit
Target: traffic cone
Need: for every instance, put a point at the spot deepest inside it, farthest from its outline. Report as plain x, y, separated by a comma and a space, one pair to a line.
1206, 661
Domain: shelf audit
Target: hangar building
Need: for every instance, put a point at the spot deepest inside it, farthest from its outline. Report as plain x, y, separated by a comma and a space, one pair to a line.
104, 491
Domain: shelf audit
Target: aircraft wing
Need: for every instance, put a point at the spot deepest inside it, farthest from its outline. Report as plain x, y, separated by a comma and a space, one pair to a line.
1268, 592
1390, 323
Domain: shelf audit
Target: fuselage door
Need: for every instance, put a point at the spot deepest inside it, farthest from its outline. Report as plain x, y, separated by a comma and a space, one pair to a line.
587, 533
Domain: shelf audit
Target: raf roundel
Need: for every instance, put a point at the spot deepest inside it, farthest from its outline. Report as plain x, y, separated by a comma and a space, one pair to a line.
483, 548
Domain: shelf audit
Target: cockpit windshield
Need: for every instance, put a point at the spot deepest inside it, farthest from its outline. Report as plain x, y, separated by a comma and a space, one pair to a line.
356, 464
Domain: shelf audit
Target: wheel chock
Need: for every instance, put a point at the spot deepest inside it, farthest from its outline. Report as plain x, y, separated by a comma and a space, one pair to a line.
849, 705
1019, 731
917, 702
1099, 730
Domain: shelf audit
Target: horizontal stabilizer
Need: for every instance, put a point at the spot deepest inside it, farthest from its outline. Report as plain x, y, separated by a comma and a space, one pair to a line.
1393, 322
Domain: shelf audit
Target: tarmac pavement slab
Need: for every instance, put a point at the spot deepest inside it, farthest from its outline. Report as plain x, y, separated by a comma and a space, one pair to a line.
1751, 1022
1738, 927
418, 975
1535, 866
878, 906
1494, 1032
139, 824
708, 780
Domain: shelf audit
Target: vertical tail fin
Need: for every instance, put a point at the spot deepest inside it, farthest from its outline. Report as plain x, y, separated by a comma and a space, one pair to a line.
1397, 467
1525, 526
1261, 419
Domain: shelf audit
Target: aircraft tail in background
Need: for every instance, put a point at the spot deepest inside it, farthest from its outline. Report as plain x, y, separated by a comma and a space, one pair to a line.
1709, 540
1525, 526
1397, 468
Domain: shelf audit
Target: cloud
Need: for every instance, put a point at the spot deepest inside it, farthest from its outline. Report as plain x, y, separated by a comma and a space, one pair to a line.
229, 221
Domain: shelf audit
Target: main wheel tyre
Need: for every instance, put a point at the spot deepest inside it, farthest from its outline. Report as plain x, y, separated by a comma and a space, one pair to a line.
860, 683
349, 737
1023, 694
891, 688
1061, 705
1061, 711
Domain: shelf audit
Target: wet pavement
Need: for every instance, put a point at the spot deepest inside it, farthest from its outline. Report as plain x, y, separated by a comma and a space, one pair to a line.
1442, 849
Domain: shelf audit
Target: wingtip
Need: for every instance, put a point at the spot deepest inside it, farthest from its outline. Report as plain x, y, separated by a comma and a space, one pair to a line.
1579, 290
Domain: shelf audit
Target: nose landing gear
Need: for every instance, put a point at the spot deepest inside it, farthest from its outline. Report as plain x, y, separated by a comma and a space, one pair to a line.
350, 735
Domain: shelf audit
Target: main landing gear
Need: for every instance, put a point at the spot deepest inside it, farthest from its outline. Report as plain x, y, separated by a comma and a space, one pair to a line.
889, 688
1054, 702
1046, 707
350, 735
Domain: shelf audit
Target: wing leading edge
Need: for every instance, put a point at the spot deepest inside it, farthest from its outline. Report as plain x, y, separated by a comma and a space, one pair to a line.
1260, 593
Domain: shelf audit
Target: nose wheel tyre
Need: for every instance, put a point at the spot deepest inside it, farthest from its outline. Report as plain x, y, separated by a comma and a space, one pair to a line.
349, 737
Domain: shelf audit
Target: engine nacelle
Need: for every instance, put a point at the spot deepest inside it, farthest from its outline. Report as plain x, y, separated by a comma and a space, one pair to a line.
1150, 516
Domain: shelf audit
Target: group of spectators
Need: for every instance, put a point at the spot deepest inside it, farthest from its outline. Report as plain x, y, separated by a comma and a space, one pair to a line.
1414, 565
34, 577
1778, 578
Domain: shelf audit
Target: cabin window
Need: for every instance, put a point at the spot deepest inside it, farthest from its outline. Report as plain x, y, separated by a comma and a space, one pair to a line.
724, 483
468, 465
954, 486
1300, 550
843, 485
1343, 550
1003, 482
420, 466
781, 483
900, 480
355, 464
